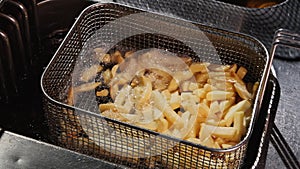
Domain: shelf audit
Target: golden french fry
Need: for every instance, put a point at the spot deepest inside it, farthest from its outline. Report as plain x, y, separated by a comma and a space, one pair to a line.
241, 72
223, 132
104, 92
90, 73
70, 99
255, 88
86, 87
113, 115
173, 85
201, 77
194, 140
242, 91
233, 68
238, 124
221, 123
144, 93
128, 54
226, 146
218, 95
185, 86
220, 140
108, 106
151, 126
175, 100
225, 104
107, 76
166, 93
208, 142
243, 105
117, 57
198, 67
219, 68
172, 116
214, 111
182, 75
192, 86
122, 95
203, 110
194, 131
207, 87
162, 125
200, 93
188, 96
114, 70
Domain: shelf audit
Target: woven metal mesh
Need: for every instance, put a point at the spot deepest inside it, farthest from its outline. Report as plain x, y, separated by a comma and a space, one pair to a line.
261, 23
78, 129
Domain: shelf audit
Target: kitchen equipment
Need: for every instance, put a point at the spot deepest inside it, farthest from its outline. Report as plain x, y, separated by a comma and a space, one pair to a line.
81, 129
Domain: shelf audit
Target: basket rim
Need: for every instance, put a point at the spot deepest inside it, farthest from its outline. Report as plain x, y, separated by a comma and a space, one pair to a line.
257, 101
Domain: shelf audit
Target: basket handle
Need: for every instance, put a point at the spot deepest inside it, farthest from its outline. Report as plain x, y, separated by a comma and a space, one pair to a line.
289, 39
286, 38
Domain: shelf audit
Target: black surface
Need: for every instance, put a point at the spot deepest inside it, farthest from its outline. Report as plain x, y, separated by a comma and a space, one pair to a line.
20, 152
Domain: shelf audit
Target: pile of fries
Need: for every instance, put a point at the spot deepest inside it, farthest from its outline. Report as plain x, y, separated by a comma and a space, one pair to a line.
207, 104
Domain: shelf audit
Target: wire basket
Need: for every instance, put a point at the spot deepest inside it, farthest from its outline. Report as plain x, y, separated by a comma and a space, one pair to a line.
81, 128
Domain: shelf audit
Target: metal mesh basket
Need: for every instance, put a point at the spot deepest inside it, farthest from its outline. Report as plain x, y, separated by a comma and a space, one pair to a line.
79, 128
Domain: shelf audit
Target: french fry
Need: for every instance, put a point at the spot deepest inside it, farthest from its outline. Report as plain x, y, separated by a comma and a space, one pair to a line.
185, 86
166, 93
223, 132
194, 140
107, 76
242, 91
90, 73
243, 105
226, 146
175, 100
182, 75
218, 95
200, 93
202, 77
192, 86
233, 68
70, 99
151, 126
117, 57
198, 67
225, 104
219, 68
189, 96
104, 92
144, 92
162, 125
128, 54
122, 95
241, 72
86, 87
214, 111
173, 85
172, 116
238, 124
207, 87
108, 106
194, 131
203, 110
114, 70
208, 142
